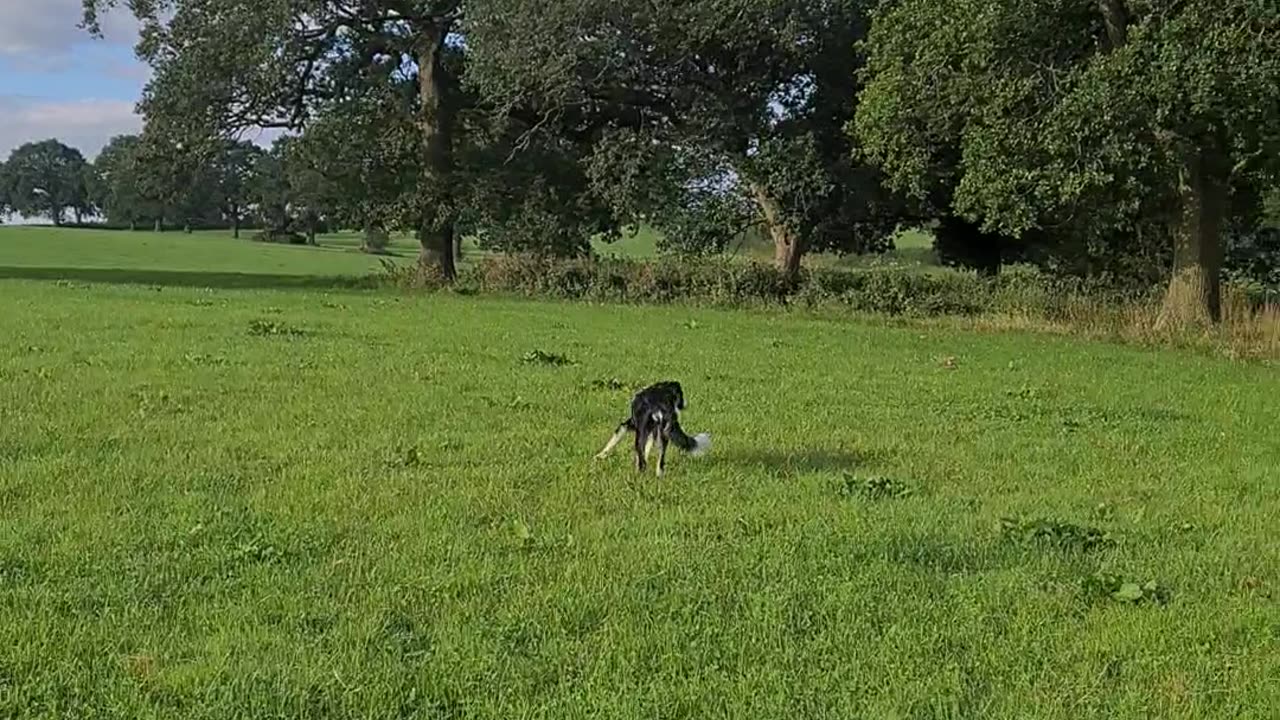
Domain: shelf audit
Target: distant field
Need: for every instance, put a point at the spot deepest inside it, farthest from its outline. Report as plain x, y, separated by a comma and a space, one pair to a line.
219, 498
26, 249
216, 258
172, 257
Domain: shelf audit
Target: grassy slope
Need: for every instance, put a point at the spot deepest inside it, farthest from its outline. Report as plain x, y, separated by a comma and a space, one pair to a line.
392, 516
209, 252
215, 259
212, 258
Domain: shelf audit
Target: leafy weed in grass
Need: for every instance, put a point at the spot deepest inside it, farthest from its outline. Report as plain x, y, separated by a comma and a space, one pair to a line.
613, 385
1062, 535
1024, 393
540, 357
1110, 586
516, 403
274, 328
875, 487
155, 402
530, 541
204, 360
404, 457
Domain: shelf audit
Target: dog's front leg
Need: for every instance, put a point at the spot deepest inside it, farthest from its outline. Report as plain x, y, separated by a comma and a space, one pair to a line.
662, 453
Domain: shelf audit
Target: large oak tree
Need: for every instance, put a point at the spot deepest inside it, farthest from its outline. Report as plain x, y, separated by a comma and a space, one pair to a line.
45, 179
221, 67
1106, 122
705, 114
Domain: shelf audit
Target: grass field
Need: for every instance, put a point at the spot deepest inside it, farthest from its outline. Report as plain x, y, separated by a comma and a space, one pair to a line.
180, 258
228, 501
215, 258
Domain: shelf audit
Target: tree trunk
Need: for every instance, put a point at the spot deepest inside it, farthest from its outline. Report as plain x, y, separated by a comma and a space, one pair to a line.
1116, 20
788, 248
159, 226
439, 250
235, 223
436, 231
1194, 296
57, 216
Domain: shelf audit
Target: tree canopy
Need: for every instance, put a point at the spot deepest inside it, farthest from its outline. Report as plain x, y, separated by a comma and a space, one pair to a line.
1094, 124
705, 116
1102, 136
46, 179
5, 204
118, 191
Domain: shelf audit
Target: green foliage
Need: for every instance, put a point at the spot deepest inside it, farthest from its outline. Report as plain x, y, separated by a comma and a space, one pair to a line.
959, 243
356, 163
6, 203
283, 236
720, 111
875, 487
147, 178
233, 168
1030, 117
376, 240
1253, 257
45, 179
1057, 534
389, 136
268, 190
273, 328
119, 191
745, 284
541, 357
1110, 586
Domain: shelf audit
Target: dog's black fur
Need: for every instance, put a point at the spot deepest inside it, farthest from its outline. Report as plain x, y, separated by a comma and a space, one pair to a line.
655, 420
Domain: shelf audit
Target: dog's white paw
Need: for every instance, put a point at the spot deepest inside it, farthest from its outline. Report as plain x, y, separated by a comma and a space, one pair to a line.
701, 444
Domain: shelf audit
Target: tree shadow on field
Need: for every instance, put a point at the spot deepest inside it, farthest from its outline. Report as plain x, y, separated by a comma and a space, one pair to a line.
185, 279
785, 462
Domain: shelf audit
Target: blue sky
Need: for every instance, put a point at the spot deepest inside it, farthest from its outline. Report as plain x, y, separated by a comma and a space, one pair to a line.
57, 81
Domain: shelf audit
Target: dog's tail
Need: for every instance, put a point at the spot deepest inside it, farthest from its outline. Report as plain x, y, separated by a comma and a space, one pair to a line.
697, 445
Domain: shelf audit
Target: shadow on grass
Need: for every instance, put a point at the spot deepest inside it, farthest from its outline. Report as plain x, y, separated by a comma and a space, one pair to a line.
189, 279
782, 461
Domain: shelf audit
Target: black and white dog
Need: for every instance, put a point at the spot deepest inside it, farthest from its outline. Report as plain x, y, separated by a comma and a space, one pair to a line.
655, 419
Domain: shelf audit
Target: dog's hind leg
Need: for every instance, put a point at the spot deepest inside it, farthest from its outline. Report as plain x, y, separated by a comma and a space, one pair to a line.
644, 438
613, 441
662, 452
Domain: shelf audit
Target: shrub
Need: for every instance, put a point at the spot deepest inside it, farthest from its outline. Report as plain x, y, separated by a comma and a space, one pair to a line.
733, 284
1253, 261
1021, 296
376, 241
280, 236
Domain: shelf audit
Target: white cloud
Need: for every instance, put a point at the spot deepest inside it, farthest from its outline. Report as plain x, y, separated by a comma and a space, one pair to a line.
44, 32
83, 124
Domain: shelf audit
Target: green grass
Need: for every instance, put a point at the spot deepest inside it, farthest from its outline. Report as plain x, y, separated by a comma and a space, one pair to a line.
260, 503
107, 255
216, 259
225, 497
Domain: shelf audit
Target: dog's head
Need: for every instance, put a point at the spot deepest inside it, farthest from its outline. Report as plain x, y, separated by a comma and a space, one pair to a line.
677, 392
